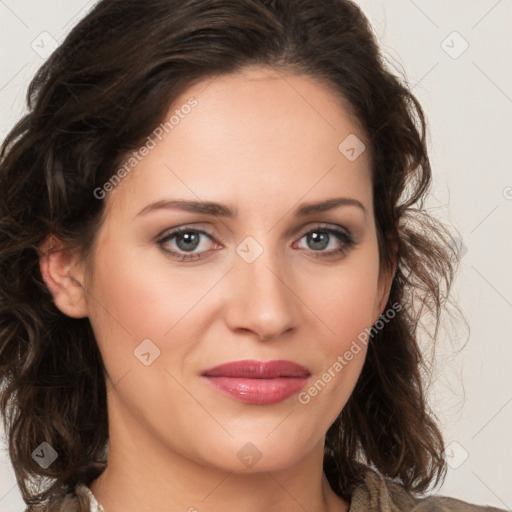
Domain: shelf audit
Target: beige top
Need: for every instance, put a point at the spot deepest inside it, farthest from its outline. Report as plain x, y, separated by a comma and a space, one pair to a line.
95, 506
376, 494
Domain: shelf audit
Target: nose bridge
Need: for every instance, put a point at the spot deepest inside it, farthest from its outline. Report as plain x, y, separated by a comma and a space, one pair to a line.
261, 301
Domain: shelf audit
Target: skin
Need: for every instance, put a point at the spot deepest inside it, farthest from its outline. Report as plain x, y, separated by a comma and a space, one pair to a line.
263, 143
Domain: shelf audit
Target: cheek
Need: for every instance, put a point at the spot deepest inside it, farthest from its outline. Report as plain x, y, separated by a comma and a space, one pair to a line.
140, 317
343, 353
345, 300
136, 297
146, 296
343, 304
130, 302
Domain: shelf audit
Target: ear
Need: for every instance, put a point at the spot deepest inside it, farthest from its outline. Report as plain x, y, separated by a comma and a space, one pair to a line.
63, 273
386, 277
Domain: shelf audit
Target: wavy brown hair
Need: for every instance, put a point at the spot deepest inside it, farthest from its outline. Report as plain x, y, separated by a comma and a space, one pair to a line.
99, 96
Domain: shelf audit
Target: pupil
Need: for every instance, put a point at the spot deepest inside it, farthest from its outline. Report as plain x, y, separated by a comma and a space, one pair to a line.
191, 241
318, 240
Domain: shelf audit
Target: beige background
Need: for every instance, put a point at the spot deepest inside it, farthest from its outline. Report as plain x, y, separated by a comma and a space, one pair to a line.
467, 95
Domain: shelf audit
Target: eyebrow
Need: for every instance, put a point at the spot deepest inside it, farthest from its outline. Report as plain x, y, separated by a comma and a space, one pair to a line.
217, 209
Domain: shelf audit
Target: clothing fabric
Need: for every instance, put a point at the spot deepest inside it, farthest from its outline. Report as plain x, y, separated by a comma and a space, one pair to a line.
378, 494
375, 494
95, 506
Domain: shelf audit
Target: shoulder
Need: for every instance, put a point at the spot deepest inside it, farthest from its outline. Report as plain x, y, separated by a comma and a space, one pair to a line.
377, 493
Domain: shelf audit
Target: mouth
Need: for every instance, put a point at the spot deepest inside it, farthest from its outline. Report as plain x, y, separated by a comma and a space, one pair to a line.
257, 382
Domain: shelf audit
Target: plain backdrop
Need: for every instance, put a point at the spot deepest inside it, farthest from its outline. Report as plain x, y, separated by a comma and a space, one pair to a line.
456, 57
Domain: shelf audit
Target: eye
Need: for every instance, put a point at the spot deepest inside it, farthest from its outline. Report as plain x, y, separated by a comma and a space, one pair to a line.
336, 240
191, 244
183, 242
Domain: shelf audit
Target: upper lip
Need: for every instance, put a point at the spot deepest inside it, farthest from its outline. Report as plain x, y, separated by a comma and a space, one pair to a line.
257, 370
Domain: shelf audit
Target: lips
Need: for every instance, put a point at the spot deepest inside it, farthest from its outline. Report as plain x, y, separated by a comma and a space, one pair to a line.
257, 382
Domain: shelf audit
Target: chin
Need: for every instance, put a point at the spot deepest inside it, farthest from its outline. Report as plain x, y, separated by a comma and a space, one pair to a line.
254, 455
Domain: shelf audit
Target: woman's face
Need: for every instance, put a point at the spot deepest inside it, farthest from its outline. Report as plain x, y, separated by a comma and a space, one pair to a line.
262, 277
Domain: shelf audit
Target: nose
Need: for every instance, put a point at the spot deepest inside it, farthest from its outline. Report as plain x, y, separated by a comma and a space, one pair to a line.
261, 300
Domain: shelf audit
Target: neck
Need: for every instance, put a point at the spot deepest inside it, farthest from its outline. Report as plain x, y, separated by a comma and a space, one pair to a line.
142, 474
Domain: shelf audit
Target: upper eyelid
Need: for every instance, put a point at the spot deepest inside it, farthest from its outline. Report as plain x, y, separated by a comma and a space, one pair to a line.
301, 231
168, 233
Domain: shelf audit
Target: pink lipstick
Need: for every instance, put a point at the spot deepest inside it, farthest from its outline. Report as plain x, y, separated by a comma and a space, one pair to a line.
257, 382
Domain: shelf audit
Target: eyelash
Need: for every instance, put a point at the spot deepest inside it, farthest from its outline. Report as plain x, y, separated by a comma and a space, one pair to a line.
345, 237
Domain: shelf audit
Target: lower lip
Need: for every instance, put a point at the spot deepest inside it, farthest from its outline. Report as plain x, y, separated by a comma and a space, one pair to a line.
258, 391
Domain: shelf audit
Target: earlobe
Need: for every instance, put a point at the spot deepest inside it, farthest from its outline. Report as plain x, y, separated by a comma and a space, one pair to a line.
62, 273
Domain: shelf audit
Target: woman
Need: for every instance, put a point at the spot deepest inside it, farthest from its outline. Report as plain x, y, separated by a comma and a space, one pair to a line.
214, 261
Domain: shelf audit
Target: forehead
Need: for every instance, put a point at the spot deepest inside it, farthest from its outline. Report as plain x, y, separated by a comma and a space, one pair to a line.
253, 134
